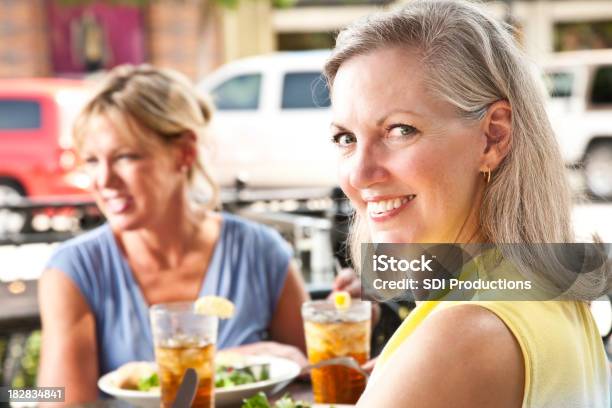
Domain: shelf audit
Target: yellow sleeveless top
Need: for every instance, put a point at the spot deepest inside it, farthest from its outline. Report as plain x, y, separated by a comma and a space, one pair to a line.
565, 361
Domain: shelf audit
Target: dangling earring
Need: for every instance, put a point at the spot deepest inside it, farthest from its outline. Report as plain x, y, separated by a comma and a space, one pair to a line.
487, 175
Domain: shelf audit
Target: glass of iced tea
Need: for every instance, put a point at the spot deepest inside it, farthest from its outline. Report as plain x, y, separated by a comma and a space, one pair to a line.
184, 339
337, 332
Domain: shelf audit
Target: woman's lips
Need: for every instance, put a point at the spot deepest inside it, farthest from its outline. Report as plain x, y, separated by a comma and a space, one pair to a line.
382, 210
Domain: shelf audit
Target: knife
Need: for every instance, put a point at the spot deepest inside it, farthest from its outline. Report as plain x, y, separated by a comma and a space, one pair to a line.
187, 389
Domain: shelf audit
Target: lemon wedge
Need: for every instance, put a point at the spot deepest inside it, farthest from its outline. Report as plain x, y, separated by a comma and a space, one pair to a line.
214, 306
342, 300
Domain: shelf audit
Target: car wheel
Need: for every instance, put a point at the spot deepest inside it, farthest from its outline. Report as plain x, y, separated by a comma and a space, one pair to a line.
11, 221
598, 170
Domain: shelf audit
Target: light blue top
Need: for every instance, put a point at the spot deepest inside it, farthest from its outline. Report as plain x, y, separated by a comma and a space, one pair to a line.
248, 266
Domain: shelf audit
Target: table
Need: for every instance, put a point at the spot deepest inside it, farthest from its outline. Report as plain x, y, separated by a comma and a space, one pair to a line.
299, 390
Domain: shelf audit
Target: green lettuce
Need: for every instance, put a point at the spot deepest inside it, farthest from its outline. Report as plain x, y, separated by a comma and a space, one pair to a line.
146, 383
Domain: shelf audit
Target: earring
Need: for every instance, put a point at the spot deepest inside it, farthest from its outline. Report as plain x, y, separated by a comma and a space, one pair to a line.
487, 175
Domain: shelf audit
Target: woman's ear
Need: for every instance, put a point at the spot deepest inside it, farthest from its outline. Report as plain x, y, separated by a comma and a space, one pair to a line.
497, 129
187, 150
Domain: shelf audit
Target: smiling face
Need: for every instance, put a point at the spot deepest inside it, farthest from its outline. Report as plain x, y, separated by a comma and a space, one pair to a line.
132, 185
408, 163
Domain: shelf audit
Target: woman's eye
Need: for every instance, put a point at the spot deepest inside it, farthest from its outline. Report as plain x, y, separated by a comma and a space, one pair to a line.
90, 161
128, 156
401, 131
344, 139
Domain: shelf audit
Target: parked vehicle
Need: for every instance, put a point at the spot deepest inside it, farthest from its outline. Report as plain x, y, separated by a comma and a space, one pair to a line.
580, 110
36, 159
271, 126
602, 314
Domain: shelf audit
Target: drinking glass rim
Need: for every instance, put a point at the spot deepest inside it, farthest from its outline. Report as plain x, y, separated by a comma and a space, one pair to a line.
180, 307
326, 305
354, 302
172, 306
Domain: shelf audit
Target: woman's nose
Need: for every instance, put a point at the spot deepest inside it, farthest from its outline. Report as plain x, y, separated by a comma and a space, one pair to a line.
367, 168
103, 175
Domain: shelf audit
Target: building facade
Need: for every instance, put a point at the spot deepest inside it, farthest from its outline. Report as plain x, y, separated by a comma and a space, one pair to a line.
54, 38
545, 25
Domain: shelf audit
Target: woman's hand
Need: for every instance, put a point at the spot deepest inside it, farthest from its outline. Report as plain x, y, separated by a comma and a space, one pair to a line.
348, 281
272, 348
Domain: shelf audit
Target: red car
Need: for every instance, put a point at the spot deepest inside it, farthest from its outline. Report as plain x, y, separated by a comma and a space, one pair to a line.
36, 160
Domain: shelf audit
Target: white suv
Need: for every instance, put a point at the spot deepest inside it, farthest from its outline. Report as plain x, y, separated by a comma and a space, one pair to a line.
580, 109
271, 126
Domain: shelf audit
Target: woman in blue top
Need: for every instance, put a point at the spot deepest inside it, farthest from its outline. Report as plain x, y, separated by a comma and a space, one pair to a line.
138, 140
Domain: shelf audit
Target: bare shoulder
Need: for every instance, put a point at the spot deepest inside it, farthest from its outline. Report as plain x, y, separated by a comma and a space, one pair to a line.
462, 356
69, 349
59, 295
475, 330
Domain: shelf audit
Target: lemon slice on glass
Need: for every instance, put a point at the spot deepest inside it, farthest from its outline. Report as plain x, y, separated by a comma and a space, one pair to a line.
342, 300
214, 306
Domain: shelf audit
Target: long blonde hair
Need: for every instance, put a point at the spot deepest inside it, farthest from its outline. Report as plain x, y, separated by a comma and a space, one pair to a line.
153, 107
472, 61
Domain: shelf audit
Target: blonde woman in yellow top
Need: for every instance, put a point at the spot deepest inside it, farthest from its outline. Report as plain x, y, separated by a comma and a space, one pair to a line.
442, 137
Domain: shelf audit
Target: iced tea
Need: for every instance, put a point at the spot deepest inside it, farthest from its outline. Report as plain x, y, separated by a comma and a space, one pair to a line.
332, 333
172, 362
184, 339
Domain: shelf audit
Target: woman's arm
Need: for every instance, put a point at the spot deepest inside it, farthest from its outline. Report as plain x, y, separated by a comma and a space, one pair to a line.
287, 326
464, 356
69, 352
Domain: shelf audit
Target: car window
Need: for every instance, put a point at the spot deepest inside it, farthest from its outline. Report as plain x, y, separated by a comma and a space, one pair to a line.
559, 84
19, 114
602, 86
238, 93
304, 90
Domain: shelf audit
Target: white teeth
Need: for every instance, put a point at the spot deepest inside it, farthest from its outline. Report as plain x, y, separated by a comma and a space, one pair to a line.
116, 205
379, 207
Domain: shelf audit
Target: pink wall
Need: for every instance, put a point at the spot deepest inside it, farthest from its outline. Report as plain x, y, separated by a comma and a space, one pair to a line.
123, 31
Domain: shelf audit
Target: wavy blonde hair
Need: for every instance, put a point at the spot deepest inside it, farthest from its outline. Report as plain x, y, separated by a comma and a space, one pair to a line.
154, 108
472, 61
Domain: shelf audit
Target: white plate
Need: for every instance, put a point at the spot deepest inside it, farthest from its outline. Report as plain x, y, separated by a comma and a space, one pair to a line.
332, 406
282, 371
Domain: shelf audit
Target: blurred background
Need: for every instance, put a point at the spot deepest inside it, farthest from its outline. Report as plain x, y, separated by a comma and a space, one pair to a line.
261, 61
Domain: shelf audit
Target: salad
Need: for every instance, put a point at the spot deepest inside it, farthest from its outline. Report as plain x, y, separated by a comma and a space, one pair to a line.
260, 400
231, 371
228, 376
148, 383
137, 375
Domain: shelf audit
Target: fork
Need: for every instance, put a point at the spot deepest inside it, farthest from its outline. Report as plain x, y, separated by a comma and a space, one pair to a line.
349, 362
187, 389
